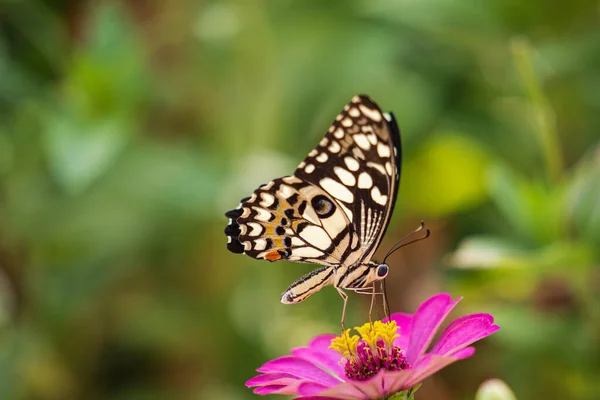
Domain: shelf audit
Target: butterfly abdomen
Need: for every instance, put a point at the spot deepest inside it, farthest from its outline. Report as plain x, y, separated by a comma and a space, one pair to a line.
308, 284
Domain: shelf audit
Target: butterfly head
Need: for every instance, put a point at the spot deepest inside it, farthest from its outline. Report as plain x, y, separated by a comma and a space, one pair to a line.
376, 272
382, 271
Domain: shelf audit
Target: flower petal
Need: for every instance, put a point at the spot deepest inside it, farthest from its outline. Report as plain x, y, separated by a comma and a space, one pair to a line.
404, 323
324, 359
432, 363
310, 388
270, 389
273, 378
395, 380
300, 368
464, 331
346, 391
322, 342
426, 322
291, 389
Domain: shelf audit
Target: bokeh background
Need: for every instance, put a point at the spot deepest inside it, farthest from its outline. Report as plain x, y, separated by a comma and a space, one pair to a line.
128, 128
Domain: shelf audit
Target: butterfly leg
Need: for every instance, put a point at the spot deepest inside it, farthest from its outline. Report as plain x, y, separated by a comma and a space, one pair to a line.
345, 298
371, 306
386, 304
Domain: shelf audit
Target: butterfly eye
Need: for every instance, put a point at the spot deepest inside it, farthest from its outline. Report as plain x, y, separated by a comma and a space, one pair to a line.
382, 271
323, 206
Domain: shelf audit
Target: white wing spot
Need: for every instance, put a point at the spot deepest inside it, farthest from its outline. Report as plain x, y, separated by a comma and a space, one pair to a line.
291, 179
324, 142
286, 191
337, 190
313, 153
378, 167
306, 252
345, 176
353, 112
260, 244
378, 197
339, 117
296, 241
323, 157
309, 169
334, 147
361, 141
267, 199
316, 236
256, 228
351, 163
339, 133
370, 113
302, 164
262, 214
372, 138
383, 150
347, 122
388, 168
366, 128
365, 181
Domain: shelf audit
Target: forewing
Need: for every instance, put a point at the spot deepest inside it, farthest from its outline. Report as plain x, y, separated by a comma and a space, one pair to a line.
358, 164
291, 219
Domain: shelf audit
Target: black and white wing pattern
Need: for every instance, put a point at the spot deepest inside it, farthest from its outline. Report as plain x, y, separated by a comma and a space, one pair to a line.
336, 207
358, 164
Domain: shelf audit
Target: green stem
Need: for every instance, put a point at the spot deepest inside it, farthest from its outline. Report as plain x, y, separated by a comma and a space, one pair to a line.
543, 113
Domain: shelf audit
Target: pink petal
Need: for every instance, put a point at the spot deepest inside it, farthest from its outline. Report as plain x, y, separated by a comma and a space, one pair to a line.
464, 331
346, 391
300, 368
394, 380
264, 390
274, 378
432, 363
291, 389
321, 342
372, 388
426, 322
316, 398
404, 322
310, 388
328, 359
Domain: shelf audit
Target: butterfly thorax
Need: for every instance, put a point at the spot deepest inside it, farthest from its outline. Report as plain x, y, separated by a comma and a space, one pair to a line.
359, 276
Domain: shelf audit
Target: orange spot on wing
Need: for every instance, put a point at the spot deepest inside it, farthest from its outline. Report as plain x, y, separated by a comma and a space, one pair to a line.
273, 256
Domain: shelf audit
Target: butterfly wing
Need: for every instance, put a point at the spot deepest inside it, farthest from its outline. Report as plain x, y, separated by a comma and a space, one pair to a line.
336, 207
358, 164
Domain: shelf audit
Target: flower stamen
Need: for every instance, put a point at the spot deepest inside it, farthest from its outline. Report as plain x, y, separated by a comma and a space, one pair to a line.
372, 351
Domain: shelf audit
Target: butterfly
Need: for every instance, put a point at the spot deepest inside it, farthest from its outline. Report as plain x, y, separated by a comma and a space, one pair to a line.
333, 211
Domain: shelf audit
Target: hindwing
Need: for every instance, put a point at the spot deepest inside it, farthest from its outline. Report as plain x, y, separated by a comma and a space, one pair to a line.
290, 219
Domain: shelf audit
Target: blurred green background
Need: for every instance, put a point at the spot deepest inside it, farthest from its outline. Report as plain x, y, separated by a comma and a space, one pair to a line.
128, 128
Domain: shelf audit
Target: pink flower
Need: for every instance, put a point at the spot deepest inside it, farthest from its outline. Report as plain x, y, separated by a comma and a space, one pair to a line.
389, 356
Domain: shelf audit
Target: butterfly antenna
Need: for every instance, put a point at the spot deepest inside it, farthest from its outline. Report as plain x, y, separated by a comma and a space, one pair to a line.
399, 244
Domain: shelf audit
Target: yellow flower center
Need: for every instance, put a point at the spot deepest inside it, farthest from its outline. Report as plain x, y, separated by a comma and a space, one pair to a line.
365, 355
370, 333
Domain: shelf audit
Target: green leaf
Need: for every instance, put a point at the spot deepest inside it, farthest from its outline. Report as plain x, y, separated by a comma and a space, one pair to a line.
533, 210
446, 176
80, 151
